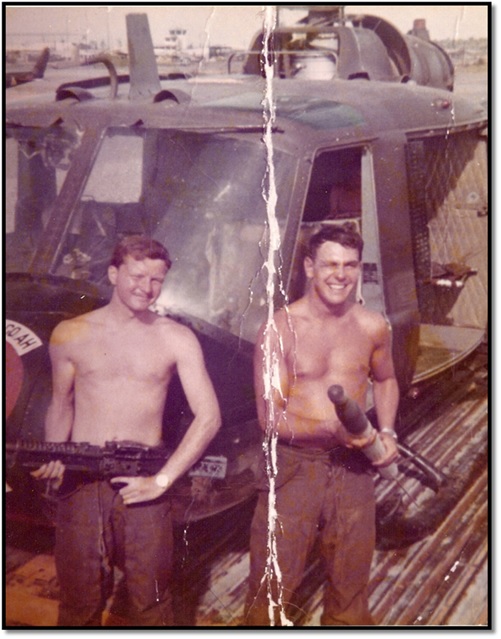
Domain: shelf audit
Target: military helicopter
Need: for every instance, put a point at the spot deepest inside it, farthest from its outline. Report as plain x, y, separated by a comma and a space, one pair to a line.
378, 140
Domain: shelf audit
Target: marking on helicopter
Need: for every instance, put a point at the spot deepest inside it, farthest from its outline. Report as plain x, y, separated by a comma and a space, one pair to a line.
21, 338
210, 466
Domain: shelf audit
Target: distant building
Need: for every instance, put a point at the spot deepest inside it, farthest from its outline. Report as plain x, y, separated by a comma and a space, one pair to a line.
174, 44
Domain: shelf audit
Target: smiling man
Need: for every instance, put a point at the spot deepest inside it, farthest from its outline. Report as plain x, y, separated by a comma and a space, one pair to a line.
322, 484
111, 370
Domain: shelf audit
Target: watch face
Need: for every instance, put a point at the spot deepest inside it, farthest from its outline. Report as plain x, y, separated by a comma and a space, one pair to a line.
162, 481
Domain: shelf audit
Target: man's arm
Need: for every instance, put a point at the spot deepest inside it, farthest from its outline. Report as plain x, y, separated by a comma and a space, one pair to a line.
61, 411
203, 403
385, 389
269, 389
271, 377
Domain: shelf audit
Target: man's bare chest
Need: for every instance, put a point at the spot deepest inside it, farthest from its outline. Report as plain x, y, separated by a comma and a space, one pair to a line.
318, 354
126, 356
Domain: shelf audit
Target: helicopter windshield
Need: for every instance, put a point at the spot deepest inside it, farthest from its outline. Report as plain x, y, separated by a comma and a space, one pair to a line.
36, 163
201, 195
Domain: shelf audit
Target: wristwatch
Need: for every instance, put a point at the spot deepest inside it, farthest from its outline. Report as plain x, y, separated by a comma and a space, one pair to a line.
391, 432
162, 480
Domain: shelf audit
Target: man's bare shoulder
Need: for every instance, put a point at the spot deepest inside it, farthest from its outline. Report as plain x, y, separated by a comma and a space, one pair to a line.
75, 328
169, 325
371, 320
368, 314
275, 328
294, 310
178, 335
283, 318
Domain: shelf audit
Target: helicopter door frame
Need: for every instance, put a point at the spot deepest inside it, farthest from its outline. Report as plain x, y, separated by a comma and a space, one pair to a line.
338, 170
372, 289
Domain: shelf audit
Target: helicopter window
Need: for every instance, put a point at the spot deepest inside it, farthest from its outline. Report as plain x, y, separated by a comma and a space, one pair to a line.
335, 190
114, 178
199, 194
209, 192
449, 228
334, 196
37, 161
110, 205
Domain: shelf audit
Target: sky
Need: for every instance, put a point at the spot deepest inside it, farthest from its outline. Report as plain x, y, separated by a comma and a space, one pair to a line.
224, 25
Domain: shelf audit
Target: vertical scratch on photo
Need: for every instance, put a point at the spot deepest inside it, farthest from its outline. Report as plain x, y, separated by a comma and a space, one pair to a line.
271, 376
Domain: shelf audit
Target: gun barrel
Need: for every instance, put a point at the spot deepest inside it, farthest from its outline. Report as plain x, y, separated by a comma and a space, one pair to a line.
349, 412
336, 394
354, 420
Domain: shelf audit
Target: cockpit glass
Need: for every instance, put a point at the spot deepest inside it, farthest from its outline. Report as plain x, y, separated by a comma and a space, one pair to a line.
36, 164
201, 195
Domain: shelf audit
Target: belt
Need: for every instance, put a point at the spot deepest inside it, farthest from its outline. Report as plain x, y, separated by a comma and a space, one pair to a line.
353, 460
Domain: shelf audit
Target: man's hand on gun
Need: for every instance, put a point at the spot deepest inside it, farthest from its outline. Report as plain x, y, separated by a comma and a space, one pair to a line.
134, 470
135, 490
359, 443
379, 447
138, 489
53, 471
391, 448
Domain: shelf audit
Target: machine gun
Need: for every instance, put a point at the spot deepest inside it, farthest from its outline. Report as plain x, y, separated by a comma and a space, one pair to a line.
356, 423
111, 460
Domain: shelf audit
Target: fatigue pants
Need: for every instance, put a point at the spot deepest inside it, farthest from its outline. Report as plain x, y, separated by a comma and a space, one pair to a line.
95, 532
314, 495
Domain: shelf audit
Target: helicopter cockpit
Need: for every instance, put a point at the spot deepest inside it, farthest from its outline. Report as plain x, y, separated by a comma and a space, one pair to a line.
200, 195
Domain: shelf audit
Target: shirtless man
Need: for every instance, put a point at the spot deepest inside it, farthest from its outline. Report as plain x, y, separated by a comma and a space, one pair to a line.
111, 371
322, 482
